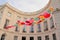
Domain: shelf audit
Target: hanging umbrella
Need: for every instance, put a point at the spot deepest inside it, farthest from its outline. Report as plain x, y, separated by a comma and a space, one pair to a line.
46, 15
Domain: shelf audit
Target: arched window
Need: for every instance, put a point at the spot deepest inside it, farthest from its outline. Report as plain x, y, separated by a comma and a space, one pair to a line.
3, 37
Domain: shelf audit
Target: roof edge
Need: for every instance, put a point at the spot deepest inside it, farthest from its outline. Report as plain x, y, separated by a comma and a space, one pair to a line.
27, 13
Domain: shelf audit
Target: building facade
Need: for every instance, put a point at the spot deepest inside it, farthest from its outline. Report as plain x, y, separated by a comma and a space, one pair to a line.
47, 30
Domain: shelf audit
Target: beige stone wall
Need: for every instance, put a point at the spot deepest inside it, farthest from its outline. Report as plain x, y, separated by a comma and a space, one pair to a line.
10, 33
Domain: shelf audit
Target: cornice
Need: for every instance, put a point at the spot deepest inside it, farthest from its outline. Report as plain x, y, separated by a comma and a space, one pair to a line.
28, 13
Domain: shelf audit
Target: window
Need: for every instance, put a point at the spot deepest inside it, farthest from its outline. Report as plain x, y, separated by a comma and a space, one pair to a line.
39, 38
45, 26
23, 38
47, 37
3, 37
16, 29
31, 38
6, 23
15, 37
24, 28
39, 28
54, 36
31, 29
9, 14
51, 23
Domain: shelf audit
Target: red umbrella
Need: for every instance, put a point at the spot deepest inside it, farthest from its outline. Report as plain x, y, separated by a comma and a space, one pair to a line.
22, 23
46, 15
9, 26
31, 21
39, 21
28, 22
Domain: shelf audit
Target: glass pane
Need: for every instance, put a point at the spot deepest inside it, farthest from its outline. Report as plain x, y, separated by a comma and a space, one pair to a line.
23, 38
31, 38
51, 23
47, 37
39, 28
54, 36
31, 28
39, 38
45, 26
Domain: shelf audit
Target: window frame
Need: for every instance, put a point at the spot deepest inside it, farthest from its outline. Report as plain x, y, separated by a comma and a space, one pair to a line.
39, 37
6, 23
51, 22
47, 37
39, 27
45, 25
54, 36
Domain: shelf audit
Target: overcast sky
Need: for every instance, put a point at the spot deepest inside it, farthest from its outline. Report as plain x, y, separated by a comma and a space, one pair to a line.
26, 5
